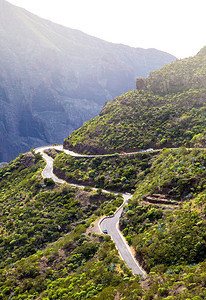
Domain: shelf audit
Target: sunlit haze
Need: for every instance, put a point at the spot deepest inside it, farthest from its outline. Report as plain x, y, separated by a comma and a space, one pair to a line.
173, 26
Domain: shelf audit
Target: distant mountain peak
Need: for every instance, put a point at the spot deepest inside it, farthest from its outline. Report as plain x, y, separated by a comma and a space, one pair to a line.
54, 78
202, 52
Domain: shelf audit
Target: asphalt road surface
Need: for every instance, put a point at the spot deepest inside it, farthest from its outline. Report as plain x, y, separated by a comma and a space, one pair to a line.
111, 225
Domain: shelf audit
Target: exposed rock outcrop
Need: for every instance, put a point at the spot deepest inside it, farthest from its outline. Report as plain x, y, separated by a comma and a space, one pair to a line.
140, 83
28, 160
179, 76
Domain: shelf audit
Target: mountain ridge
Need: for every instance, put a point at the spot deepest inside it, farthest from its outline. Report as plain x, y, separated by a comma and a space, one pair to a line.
53, 78
184, 74
166, 111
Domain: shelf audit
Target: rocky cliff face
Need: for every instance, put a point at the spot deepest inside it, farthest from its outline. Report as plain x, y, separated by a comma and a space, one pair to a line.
181, 75
54, 78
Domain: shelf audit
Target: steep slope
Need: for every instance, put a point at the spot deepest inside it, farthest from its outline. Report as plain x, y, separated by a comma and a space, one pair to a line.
35, 213
170, 111
54, 78
49, 249
189, 73
24, 193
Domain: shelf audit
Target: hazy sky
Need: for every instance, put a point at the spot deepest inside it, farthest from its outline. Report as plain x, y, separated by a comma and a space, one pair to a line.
174, 26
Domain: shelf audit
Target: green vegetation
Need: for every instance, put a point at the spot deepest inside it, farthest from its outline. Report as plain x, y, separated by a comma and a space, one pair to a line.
48, 245
179, 174
170, 244
173, 240
50, 251
169, 240
169, 112
140, 120
115, 173
77, 266
177, 283
166, 234
35, 212
163, 237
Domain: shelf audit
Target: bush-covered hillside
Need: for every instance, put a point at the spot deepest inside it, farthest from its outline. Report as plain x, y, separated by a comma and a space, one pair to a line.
48, 250
78, 266
175, 235
179, 174
115, 173
170, 111
48, 246
35, 212
168, 239
140, 120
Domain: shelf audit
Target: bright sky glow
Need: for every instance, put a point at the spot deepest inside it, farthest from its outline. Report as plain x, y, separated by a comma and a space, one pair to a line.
174, 26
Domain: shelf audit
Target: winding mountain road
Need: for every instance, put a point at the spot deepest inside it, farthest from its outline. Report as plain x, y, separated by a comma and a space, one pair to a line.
109, 223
